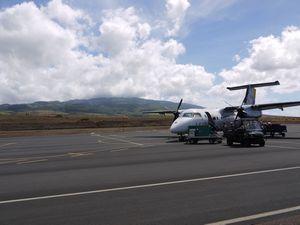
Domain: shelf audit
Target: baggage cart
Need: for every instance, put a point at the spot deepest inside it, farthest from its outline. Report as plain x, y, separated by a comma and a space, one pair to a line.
206, 132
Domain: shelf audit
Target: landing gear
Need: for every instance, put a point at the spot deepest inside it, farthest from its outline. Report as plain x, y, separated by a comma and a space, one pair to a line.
229, 142
181, 138
211, 141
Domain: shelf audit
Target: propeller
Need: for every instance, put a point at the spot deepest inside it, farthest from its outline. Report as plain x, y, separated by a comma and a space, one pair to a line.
211, 121
176, 113
240, 112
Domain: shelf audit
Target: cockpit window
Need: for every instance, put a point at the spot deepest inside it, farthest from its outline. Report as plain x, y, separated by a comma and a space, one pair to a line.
188, 115
197, 115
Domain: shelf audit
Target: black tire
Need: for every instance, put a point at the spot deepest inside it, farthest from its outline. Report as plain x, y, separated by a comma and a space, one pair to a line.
211, 141
181, 138
229, 142
195, 141
262, 143
283, 134
246, 143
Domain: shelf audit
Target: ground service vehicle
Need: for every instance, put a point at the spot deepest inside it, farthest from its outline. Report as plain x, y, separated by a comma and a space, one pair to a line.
245, 132
272, 129
205, 132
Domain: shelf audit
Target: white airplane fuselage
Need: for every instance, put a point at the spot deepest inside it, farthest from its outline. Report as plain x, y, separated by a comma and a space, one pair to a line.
195, 117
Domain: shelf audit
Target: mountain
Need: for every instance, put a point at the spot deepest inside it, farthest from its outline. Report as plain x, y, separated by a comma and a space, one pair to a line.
105, 105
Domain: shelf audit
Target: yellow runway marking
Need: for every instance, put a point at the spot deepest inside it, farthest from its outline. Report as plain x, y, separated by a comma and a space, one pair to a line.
8, 162
78, 154
32, 161
41, 158
7, 144
117, 139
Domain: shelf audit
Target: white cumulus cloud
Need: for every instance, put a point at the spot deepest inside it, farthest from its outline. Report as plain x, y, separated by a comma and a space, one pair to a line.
270, 58
46, 54
176, 11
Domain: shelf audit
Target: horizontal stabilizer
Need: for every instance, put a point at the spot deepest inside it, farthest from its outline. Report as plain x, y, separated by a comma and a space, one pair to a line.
253, 86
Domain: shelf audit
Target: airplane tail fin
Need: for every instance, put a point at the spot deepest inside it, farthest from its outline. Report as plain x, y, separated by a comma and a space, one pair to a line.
251, 91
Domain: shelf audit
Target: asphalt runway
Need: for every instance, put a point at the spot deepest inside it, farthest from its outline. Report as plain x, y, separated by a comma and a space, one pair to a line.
146, 177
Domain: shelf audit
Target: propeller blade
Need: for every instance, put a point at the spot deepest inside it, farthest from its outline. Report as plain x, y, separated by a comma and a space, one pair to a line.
176, 114
179, 105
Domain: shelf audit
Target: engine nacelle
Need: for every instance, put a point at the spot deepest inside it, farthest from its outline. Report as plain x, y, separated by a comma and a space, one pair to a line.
250, 113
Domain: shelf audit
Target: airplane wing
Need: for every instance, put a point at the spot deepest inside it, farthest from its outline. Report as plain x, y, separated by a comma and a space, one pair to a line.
230, 108
279, 105
161, 112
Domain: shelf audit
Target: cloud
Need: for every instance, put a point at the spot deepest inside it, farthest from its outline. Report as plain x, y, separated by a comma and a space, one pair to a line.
206, 8
270, 58
64, 14
176, 11
54, 52
121, 29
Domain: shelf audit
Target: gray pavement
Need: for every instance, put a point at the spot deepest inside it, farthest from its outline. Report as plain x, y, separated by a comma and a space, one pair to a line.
145, 177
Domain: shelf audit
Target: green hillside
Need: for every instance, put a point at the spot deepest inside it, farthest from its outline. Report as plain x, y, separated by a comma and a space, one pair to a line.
105, 106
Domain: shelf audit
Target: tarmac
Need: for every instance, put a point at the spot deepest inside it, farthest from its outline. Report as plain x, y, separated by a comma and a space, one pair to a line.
146, 177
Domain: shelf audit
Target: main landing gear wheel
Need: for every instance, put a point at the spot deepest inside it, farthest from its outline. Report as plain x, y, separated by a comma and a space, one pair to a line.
262, 143
229, 142
181, 138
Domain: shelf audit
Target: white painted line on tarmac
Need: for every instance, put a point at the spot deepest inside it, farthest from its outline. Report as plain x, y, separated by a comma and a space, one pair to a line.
148, 185
284, 142
256, 216
119, 150
118, 139
7, 144
283, 147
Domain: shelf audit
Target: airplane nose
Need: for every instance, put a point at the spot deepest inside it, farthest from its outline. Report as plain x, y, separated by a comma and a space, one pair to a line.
181, 125
174, 127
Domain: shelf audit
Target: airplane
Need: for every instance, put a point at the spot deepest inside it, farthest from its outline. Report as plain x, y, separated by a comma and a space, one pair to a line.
218, 117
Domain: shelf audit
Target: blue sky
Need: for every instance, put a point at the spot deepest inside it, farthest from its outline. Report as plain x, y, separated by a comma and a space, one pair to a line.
211, 41
210, 34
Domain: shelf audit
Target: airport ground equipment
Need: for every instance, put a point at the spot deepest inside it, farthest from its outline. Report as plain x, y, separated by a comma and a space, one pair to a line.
271, 129
205, 132
244, 131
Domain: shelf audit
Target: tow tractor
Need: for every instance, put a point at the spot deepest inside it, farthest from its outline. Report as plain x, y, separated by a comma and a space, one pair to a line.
244, 131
